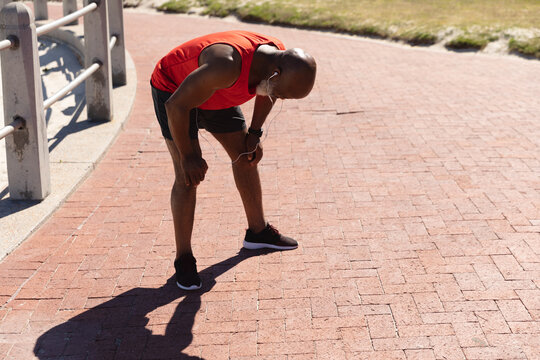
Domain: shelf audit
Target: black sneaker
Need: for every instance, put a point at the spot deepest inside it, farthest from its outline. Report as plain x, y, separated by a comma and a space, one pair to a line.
187, 277
269, 238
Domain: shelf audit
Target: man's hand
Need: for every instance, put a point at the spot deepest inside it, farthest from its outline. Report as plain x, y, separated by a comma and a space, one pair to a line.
253, 141
195, 168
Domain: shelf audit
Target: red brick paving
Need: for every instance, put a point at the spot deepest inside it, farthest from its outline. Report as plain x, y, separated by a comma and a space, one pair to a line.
410, 178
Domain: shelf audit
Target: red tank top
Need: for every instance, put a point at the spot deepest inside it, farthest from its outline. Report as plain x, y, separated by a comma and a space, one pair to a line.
173, 68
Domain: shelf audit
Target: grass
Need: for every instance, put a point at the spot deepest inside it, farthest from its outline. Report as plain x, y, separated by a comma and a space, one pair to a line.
177, 6
417, 22
219, 8
468, 41
417, 37
530, 47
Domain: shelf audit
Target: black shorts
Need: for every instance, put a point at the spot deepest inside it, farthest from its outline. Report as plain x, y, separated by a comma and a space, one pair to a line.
214, 121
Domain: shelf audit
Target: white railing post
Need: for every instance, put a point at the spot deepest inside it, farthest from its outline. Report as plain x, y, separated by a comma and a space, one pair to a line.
118, 52
40, 10
27, 150
68, 7
96, 40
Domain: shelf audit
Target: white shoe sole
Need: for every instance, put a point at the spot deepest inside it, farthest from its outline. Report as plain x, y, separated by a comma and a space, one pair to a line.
257, 246
192, 287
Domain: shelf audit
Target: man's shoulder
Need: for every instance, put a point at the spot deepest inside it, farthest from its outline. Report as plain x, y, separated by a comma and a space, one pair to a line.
220, 55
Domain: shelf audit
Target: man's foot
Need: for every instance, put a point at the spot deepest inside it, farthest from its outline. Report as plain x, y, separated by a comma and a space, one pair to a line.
269, 238
187, 277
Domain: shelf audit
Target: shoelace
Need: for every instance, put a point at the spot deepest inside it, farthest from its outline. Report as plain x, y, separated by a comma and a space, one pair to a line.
273, 230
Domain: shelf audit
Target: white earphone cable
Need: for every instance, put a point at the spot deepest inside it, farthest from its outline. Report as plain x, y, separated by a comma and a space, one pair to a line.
264, 138
260, 142
244, 153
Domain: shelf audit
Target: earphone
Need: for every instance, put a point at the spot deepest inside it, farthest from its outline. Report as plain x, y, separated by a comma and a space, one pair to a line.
265, 135
268, 86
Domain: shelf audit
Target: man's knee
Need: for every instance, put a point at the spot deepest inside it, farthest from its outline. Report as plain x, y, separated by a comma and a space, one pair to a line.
242, 162
180, 187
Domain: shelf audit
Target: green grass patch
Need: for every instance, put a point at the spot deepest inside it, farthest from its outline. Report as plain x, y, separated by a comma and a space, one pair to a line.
416, 22
529, 47
431, 14
417, 37
176, 6
370, 30
269, 13
219, 8
471, 41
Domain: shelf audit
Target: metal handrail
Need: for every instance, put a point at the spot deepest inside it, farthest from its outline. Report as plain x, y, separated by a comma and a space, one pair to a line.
114, 38
102, 43
9, 129
5, 44
66, 19
72, 85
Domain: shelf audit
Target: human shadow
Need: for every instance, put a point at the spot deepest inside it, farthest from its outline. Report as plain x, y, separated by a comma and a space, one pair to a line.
116, 329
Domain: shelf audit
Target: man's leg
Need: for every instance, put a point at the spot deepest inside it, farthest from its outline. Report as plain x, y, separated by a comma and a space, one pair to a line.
246, 178
260, 234
183, 199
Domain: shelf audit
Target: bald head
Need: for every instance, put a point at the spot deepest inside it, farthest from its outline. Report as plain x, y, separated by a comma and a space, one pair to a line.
298, 70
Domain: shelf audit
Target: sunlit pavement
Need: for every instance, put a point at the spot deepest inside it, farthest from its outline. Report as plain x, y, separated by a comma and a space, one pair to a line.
409, 177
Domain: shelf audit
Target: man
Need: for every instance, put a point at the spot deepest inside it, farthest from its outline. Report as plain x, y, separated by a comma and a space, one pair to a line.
200, 84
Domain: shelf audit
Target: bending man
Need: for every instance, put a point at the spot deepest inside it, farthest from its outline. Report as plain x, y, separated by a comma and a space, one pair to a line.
200, 84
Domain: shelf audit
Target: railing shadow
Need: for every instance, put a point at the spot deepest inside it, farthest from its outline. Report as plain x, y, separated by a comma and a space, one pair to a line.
54, 59
118, 326
9, 206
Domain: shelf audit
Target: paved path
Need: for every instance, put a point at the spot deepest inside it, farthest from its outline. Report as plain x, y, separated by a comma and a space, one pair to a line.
410, 178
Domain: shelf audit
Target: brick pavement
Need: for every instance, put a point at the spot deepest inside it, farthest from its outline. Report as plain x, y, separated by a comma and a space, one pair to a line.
410, 178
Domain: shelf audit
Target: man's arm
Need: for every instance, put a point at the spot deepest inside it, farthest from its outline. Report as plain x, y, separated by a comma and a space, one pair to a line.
217, 72
262, 108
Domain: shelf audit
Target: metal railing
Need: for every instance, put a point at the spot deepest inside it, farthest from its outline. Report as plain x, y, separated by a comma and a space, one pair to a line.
9, 129
5, 44
42, 30
72, 85
26, 134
